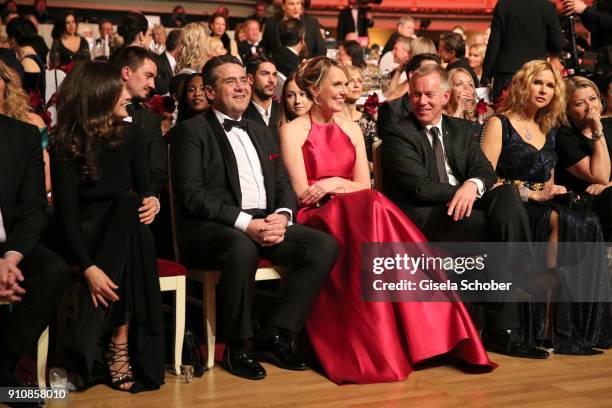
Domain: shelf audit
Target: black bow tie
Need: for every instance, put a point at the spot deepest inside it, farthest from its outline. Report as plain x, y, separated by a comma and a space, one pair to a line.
228, 124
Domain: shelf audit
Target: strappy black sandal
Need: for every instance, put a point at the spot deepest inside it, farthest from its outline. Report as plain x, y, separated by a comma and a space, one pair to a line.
118, 353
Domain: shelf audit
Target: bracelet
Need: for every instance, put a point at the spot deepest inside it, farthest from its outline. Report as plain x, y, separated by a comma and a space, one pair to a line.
523, 193
157, 204
596, 136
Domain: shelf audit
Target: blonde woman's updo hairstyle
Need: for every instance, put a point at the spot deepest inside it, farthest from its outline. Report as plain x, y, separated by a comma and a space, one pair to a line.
312, 72
193, 54
518, 95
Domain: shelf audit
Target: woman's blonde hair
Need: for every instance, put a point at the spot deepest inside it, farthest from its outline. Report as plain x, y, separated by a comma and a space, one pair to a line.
15, 101
193, 54
572, 85
212, 43
470, 113
480, 49
422, 45
518, 95
313, 71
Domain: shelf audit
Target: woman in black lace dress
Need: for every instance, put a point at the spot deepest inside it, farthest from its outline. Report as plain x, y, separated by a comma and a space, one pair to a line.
103, 200
520, 143
68, 46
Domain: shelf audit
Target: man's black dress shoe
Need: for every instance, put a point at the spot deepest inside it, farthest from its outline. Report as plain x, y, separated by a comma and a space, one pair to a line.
509, 343
277, 351
241, 362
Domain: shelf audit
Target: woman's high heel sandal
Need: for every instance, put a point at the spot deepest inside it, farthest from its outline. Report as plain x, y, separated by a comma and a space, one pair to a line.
118, 353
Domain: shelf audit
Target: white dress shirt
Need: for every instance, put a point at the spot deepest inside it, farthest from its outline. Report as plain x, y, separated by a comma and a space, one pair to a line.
265, 113
2, 230
451, 178
171, 60
250, 174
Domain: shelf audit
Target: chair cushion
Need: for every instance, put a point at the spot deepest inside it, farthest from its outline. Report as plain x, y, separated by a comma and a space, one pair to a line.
169, 268
264, 263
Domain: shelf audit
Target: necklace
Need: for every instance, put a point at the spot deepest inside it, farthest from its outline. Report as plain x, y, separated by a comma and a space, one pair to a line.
528, 135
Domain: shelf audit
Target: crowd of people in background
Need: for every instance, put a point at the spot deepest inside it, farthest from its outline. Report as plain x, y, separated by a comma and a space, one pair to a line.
278, 134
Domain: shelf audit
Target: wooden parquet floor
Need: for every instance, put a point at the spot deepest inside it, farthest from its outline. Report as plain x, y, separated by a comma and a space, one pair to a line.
560, 381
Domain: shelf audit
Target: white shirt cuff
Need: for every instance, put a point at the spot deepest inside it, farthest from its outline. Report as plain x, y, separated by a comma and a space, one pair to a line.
479, 185
286, 210
242, 222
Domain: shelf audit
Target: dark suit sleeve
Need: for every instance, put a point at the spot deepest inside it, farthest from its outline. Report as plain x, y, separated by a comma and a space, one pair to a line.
596, 21
162, 82
493, 46
319, 47
554, 37
29, 216
269, 38
386, 117
140, 167
188, 152
157, 155
402, 162
341, 30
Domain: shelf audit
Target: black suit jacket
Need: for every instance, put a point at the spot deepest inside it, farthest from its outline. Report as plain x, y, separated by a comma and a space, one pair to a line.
346, 24
521, 31
315, 43
465, 64
148, 125
245, 50
164, 74
286, 61
253, 114
392, 112
22, 184
206, 181
410, 177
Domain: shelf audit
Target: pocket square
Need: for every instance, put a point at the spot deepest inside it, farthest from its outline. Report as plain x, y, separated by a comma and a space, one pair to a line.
273, 156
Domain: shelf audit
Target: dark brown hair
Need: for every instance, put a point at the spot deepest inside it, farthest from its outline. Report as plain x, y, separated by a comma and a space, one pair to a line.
85, 105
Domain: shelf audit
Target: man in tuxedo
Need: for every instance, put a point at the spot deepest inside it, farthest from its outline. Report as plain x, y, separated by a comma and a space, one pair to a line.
236, 205
521, 31
139, 70
315, 44
250, 47
435, 171
262, 74
395, 110
287, 58
166, 62
451, 49
31, 276
354, 19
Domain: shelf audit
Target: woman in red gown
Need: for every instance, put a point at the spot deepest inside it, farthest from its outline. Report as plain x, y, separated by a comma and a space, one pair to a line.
358, 341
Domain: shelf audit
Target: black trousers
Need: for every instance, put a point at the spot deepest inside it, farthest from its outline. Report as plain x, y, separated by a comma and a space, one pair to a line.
308, 254
498, 216
46, 276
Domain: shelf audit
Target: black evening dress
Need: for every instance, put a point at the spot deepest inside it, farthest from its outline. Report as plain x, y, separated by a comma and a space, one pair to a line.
100, 217
572, 147
61, 56
576, 327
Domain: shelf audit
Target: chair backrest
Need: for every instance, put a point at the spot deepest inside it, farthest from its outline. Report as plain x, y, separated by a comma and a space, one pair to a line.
175, 245
377, 164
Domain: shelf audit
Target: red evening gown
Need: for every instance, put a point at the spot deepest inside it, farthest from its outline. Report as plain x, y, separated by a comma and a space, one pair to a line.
368, 342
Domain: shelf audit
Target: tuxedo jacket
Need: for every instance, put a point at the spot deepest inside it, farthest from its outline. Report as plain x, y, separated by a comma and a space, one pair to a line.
22, 184
393, 111
164, 74
346, 24
253, 114
245, 50
315, 43
410, 178
148, 124
205, 172
521, 31
286, 61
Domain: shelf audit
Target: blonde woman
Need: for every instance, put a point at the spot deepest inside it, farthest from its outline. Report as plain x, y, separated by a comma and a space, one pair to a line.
520, 144
422, 45
476, 55
462, 103
584, 145
193, 55
14, 102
